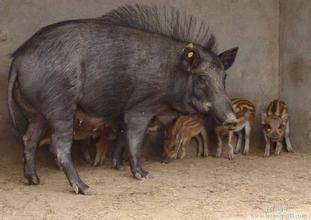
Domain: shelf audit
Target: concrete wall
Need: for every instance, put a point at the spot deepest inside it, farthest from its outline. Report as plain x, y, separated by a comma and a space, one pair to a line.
250, 24
295, 67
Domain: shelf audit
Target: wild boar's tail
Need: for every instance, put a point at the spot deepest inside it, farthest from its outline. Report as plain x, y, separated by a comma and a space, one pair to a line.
11, 84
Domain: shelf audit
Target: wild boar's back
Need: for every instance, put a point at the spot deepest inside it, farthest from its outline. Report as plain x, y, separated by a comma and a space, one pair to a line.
107, 64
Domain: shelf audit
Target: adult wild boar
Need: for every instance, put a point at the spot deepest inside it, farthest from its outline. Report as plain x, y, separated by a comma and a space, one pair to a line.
132, 61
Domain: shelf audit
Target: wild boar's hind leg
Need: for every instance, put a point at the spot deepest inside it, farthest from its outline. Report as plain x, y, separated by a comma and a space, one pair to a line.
30, 140
136, 122
60, 120
61, 143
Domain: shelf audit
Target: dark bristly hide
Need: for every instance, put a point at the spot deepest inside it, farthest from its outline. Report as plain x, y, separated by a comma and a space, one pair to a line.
131, 63
164, 20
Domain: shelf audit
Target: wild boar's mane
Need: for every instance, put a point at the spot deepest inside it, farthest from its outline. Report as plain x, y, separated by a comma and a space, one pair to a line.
167, 21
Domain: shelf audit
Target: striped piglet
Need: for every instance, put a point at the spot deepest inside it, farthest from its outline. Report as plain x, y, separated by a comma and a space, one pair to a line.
245, 112
179, 135
275, 121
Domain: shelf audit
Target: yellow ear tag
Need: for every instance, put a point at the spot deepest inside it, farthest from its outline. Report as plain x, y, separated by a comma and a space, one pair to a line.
190, 45
190, 55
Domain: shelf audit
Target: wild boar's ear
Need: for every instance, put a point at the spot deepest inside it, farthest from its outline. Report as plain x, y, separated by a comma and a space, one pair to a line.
190, 57
227, 57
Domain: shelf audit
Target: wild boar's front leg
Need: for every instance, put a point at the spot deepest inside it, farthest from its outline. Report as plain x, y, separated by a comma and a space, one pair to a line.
137, 122
119, 150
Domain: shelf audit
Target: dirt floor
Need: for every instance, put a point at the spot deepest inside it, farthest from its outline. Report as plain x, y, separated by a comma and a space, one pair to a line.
250, 187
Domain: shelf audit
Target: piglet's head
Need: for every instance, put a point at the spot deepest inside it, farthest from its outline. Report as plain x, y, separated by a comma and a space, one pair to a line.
274, 126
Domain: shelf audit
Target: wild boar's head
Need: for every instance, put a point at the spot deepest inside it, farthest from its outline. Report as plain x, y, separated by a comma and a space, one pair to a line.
208, 80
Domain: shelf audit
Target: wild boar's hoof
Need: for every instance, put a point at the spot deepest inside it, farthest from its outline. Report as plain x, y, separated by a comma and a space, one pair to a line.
117, 164
32, 179
83, 190
141, 174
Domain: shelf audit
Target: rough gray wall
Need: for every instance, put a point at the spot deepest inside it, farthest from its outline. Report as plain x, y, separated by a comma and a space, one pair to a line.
250, 24
295, 67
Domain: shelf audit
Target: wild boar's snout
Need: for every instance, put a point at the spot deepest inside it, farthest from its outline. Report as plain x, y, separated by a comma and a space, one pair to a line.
224, 111
231, 121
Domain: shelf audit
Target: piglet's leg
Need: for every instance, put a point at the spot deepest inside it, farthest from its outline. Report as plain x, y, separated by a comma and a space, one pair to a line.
239, 143
205, 143
182, 152
199, 146
278, 148
247, 138
231, 154
289, 147
268, 146
85, 151
219, 147
101, 148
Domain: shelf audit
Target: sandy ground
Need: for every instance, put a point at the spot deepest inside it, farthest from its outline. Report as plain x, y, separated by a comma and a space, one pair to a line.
250, 187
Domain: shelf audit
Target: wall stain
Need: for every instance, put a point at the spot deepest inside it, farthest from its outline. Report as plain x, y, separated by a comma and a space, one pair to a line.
296, 70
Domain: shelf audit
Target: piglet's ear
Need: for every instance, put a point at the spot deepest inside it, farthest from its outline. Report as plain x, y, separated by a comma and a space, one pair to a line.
227, 57
284, 118
190, 57
263, 117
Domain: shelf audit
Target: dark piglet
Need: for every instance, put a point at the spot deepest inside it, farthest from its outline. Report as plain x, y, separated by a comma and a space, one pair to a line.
129, 62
